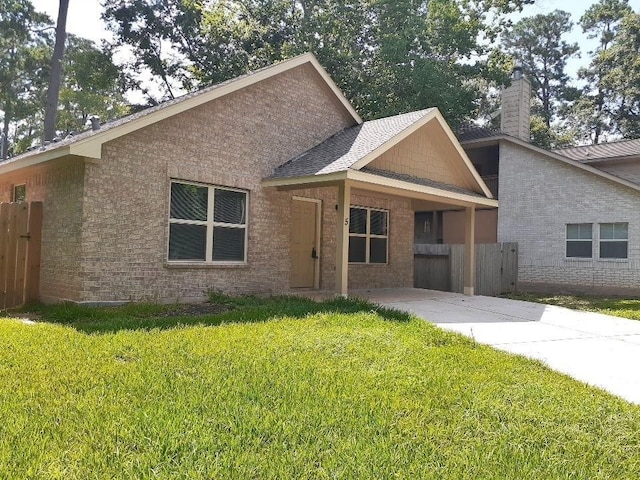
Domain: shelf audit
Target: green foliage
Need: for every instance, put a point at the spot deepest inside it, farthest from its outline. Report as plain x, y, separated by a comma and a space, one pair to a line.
593, 113
621, 76
22, 66
91, 86
550, 137
387, 56
316, 394
91, 83
537, 45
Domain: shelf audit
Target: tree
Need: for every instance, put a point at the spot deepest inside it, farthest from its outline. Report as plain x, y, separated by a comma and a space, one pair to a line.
388, 56
23, 36
592, 112
55, 72
536, 43
621, 78
92, 85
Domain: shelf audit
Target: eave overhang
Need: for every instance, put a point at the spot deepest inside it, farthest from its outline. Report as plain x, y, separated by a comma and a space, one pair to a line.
377, 183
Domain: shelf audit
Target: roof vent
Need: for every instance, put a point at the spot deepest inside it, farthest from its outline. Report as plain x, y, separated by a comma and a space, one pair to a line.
95, 122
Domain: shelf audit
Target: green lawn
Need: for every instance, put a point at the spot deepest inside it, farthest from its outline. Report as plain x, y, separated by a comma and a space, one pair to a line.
291, 389
620, 307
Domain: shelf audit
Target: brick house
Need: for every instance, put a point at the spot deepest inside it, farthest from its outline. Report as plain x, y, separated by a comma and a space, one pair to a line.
262, 184
575, 213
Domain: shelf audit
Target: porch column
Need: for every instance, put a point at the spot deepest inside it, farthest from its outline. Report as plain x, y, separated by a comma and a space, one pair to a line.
469, 250
342, 239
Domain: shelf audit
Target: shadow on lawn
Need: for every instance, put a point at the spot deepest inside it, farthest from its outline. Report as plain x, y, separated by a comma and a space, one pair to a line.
220, 310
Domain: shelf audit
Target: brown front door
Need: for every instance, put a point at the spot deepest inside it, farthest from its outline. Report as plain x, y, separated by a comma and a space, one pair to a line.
303, 243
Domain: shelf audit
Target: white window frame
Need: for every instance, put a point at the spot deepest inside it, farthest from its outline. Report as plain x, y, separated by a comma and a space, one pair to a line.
567, 240
600, 240
368, 235
210, 224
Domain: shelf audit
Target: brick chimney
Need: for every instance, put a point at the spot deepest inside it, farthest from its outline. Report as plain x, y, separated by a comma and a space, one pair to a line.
516, 107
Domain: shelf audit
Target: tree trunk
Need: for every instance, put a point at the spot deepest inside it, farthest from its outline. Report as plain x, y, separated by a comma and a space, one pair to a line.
4, 148
55, 74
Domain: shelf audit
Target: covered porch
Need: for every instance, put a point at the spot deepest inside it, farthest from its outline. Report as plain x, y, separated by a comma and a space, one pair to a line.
422, 195
414, 157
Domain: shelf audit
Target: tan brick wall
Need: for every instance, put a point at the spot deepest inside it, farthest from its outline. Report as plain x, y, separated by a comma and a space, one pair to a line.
233, 141
398, 272
59, 185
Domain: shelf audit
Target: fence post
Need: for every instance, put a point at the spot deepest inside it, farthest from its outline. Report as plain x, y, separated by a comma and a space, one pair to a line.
22, 240
34, 246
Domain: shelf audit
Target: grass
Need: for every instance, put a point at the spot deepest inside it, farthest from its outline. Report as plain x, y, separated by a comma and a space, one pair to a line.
289, 388
619, 307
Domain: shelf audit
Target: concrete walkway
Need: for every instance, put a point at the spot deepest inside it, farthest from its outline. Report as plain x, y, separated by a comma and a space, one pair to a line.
600, 350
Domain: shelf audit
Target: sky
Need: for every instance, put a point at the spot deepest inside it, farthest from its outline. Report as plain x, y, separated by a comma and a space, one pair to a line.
84, 20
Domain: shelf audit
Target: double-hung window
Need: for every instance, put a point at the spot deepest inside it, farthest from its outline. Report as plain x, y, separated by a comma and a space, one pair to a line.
614, 240
579, 240
207, 223
368, 235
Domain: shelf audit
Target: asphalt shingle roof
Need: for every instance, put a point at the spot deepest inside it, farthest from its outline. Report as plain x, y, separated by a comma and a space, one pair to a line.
342, 150
469, 131
590, 153
134, 116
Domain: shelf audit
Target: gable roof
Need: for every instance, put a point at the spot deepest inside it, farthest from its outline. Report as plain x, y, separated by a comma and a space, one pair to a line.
605, 151
347, 147
553, 155
89, 143
347, 154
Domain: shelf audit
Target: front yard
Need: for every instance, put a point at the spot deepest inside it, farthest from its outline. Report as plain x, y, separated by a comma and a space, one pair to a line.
289, 388
619, 307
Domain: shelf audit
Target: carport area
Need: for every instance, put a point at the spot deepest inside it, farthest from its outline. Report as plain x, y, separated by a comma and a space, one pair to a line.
597, 349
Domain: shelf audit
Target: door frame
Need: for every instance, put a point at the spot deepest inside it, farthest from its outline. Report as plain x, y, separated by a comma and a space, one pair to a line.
316, 268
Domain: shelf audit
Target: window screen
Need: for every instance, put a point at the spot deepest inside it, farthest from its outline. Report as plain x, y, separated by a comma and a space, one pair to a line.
579, 240
614, 240
207, 223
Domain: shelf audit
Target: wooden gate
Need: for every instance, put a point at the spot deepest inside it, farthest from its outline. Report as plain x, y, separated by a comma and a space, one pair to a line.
20, 239
441, 267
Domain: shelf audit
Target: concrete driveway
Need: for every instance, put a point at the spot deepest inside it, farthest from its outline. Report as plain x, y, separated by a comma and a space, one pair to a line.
600, 350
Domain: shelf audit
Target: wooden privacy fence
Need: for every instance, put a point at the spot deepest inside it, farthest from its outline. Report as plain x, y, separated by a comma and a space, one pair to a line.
441, 267
20, 238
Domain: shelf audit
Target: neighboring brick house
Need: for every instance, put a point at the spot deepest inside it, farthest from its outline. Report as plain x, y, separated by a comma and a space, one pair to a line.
261, 184
575, 213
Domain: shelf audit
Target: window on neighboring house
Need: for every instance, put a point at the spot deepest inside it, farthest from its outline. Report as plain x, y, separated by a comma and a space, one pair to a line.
19, 193
368, 235
207, 223
614, 240
579, 240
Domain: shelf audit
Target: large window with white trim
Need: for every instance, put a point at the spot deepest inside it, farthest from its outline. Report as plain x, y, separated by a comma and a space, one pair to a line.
368, 235
579, 240
614, 240
207, 223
